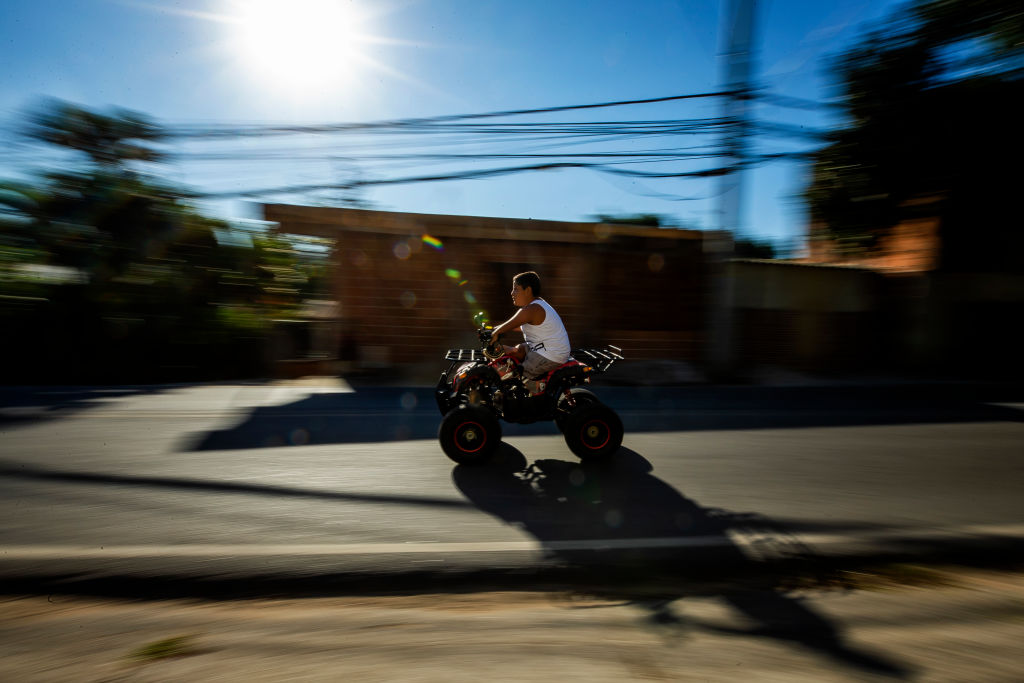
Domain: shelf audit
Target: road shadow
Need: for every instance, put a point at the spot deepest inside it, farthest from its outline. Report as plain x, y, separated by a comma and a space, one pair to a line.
27, 405
369, 415
381, 414
377, 414
21, 472
631, 536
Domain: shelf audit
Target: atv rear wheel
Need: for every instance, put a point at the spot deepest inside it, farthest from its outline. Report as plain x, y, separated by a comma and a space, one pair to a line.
581, 397
469, 434
593, 432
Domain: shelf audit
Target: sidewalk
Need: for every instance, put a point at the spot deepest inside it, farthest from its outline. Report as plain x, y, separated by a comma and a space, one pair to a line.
756, 557
927, 626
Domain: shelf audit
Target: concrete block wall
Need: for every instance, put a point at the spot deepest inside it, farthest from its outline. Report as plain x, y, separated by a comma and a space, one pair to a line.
806, 317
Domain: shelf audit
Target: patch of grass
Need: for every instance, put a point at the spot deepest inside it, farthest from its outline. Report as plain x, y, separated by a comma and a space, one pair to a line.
898, 575
178, 646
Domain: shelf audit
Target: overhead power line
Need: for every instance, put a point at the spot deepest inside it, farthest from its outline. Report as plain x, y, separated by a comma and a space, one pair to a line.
357, 150
793, 102
468, 175
185, 131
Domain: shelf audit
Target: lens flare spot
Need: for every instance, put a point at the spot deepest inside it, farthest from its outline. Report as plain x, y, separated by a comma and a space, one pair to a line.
433, 242
409, 400
359, 258
577, 477
299, 437
452, 273
464, 282
470, 299
683, 521
613, 518
655, 262
407, 299
401, 251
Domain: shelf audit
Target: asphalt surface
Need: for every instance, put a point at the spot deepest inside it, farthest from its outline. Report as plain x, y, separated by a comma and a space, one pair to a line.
316, 487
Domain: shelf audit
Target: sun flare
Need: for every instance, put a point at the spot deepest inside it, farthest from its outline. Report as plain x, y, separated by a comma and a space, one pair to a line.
298, 43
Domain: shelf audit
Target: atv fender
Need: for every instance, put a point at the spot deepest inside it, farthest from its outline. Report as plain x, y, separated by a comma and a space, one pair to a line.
567, 376
452, 384
484, 373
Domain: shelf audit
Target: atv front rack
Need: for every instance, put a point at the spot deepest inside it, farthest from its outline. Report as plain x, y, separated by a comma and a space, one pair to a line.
466, 356
599, 359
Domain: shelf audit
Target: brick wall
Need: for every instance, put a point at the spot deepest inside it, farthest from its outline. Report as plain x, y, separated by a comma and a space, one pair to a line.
403, 301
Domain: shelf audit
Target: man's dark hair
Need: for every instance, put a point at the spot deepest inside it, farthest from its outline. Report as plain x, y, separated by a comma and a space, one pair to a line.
528, 279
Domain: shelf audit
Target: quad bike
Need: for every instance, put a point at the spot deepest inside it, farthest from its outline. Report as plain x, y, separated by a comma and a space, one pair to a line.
484, 386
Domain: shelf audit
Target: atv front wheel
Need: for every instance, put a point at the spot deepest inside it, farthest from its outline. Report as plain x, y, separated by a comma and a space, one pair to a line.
593, 432
469, 434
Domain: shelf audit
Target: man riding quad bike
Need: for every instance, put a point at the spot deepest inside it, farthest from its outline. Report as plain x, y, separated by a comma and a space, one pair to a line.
482, 387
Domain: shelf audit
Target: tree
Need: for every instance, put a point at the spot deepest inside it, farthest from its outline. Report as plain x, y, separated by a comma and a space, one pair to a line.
157, 295
649, 219
757, 249
110, 140
929, 129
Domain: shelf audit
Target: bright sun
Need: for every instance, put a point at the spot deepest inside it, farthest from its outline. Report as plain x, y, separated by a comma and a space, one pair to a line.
297, 43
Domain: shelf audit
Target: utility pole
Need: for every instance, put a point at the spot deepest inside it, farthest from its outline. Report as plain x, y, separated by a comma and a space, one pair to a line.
738, 54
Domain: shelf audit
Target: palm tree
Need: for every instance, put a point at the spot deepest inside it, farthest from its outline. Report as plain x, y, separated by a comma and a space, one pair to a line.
110, 140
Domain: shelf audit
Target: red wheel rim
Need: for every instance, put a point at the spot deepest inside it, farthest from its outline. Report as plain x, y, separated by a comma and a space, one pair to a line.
469, 433
595, 434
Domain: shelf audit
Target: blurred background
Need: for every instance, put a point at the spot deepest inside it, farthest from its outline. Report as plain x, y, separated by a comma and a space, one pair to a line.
218, 189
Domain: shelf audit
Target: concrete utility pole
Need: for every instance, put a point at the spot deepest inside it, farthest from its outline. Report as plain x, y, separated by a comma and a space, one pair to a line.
738, 45
738, 53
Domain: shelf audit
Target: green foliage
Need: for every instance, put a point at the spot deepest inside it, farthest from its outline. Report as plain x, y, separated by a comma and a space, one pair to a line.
177, 646
651, 219
113, 276
930, 127
747, 248
108, 139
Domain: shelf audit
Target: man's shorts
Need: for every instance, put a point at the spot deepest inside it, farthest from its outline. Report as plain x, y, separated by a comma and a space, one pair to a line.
536, 365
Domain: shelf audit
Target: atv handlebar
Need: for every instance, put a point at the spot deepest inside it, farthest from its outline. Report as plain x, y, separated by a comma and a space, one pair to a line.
492, 349
599, 358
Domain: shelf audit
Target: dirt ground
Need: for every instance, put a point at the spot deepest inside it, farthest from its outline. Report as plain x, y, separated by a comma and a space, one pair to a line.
963, 627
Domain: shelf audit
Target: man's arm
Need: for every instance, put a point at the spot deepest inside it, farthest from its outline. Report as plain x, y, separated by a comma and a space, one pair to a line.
531, 314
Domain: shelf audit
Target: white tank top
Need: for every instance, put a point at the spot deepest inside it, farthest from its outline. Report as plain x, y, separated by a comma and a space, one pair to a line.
549, 339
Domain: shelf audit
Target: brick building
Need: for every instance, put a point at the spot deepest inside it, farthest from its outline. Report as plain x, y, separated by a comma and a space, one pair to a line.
406, 286
950, 293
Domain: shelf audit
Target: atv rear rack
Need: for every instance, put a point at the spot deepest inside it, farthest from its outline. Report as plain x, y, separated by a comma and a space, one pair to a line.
599, 359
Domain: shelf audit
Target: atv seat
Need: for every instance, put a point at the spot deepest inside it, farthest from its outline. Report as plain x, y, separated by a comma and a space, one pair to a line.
570, 368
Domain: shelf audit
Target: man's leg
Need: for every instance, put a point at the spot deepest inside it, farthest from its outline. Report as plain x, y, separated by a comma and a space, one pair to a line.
518, 351
534, 366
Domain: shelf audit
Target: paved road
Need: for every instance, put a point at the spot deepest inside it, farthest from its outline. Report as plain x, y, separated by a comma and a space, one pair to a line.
315, 478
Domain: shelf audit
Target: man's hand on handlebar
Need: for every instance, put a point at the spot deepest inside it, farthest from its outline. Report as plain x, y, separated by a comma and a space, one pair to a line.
492, 348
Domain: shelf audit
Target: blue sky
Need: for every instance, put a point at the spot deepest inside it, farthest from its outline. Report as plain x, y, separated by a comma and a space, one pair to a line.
207, 62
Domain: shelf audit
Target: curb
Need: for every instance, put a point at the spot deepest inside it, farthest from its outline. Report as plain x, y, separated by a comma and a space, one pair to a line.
721, 562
